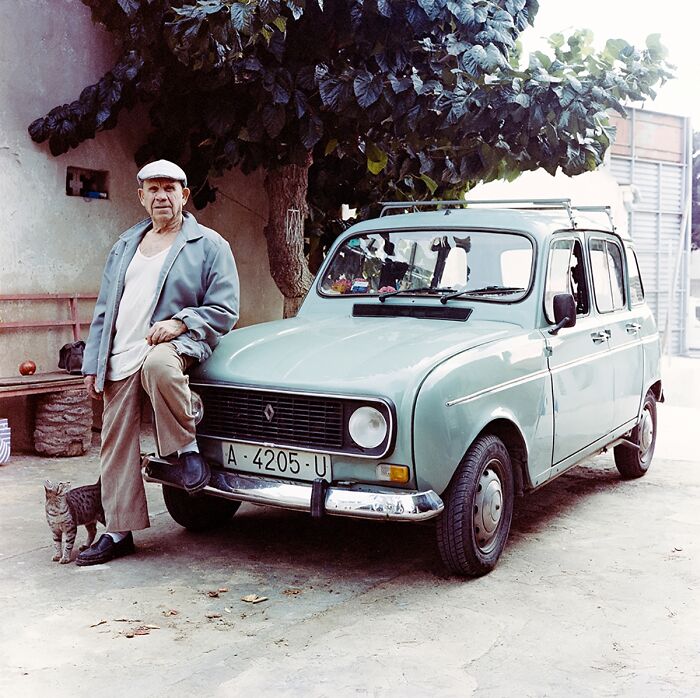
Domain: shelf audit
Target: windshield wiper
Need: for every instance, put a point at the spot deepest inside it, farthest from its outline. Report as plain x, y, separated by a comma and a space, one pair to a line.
485, 291
419, 289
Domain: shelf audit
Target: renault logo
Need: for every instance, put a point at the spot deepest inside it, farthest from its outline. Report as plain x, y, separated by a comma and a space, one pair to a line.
269, 412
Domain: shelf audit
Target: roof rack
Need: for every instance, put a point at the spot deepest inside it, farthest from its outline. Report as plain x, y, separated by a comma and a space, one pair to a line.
530, 204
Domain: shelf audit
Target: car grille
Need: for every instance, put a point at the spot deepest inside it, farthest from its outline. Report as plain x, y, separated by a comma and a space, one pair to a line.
281, 418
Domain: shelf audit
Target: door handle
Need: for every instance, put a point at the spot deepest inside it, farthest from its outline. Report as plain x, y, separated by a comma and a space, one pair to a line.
633, 327
599, 337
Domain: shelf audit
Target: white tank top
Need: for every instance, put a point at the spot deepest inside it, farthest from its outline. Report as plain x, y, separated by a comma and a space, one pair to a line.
129, 347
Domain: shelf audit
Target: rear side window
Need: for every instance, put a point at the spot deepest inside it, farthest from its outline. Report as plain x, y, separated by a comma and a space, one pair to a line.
636, 286
566, 274
608, 275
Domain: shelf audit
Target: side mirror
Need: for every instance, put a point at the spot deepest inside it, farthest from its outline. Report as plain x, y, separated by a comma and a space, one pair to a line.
564, 312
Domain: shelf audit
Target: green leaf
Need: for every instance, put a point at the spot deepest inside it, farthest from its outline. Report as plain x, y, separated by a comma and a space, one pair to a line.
242, 16
330, 146
556, 40
656, 49
429, 182
130, 7
367, 88
377, 159
311, 131
273, 119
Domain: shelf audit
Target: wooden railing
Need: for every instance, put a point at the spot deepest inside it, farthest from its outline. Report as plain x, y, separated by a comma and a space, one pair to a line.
71, 298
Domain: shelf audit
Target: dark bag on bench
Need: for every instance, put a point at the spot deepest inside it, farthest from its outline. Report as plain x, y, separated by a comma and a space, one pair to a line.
70, 356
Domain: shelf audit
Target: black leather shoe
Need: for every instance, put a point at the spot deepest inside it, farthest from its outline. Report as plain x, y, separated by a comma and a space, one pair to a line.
105, 550
195, 472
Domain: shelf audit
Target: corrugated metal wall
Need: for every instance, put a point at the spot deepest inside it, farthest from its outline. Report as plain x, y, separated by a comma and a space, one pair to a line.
652, 153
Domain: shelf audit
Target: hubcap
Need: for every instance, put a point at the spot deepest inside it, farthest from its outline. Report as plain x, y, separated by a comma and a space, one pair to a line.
646, 434
488, 505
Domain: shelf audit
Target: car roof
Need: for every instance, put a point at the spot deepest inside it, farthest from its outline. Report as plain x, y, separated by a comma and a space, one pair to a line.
538, 222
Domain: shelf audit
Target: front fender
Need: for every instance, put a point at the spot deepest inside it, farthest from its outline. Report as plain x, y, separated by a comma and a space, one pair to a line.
503, 380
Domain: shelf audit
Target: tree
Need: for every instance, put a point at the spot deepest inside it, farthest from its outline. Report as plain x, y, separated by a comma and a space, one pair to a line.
352, 101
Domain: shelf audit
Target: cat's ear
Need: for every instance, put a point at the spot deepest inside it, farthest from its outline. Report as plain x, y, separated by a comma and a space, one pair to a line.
63, 487
48, 485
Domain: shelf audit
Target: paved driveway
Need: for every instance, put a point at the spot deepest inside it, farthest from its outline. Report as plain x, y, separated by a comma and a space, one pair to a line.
596, 595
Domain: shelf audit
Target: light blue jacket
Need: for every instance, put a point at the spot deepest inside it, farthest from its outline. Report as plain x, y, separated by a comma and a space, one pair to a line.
198, 284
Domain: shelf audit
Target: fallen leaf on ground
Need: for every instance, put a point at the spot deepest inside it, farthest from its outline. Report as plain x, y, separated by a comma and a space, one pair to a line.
677, 550
127, 620
292, 591
223, 590
213, 615
141, 630
170, 612
228, 610
99, 622
213, 594
253, 598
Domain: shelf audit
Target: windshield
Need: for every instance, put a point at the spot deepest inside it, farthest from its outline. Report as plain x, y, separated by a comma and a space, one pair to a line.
493, 266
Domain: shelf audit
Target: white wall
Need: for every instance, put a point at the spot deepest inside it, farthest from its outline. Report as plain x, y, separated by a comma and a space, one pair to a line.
597, 188
53, 243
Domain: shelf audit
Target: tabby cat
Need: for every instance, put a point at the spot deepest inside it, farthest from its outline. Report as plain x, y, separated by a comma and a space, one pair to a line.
66, 509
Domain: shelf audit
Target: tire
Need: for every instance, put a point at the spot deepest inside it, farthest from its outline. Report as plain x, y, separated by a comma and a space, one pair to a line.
633, 462
198, 512
473, 529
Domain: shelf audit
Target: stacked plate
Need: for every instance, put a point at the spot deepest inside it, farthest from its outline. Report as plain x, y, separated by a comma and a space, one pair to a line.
5, 432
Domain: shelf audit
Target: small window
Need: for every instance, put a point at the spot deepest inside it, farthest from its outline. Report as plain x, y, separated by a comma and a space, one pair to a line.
90, 184
566, 274
608, 275
636, 286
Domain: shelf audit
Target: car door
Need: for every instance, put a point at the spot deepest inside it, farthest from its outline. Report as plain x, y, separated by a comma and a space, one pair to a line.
582, 376
621, 322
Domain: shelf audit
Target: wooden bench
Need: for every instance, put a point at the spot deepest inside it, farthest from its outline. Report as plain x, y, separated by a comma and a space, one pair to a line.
54, 383
48, 381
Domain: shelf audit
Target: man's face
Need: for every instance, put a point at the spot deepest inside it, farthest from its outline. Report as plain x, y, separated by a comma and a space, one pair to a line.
163, 199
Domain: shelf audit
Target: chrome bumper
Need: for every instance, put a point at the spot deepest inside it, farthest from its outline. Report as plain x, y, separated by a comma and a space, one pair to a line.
339, 501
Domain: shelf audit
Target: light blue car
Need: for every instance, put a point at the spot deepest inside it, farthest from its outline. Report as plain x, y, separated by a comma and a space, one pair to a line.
443, 362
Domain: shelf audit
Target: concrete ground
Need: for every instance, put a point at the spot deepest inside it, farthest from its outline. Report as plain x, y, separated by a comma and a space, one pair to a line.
595, 595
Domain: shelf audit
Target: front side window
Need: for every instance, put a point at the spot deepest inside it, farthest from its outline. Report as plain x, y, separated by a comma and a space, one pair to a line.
566, 274
495, 266
608, 275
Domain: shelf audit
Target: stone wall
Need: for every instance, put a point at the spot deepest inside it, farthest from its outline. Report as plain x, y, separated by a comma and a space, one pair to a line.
63, 424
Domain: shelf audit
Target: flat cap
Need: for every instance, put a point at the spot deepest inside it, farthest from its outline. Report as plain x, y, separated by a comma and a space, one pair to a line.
162, 169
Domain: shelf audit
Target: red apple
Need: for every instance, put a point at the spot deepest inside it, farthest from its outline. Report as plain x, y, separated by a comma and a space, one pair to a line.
26, 368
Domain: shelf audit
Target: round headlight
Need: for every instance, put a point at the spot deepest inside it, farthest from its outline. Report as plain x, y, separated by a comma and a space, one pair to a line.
197, 407
367, 427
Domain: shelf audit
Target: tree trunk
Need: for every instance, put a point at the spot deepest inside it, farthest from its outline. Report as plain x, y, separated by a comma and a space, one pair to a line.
287, 188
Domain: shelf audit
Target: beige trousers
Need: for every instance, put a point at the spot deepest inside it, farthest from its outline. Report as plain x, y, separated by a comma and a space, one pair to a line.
162, 380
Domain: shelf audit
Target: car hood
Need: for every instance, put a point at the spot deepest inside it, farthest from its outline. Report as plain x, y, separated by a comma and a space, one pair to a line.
368, 356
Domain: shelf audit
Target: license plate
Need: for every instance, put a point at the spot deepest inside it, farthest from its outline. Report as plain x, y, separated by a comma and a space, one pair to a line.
283, 462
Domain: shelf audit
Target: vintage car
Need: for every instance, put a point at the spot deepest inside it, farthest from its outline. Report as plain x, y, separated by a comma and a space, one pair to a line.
443, 362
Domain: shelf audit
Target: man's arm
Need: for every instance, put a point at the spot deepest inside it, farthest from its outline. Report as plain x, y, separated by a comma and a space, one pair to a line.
92, 345
218, 311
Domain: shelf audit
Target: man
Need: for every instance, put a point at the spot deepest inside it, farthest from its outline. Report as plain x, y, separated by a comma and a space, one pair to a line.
169, 292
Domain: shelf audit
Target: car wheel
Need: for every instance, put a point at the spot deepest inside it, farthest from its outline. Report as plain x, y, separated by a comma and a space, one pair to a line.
634, 461
473, 529
198, 512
